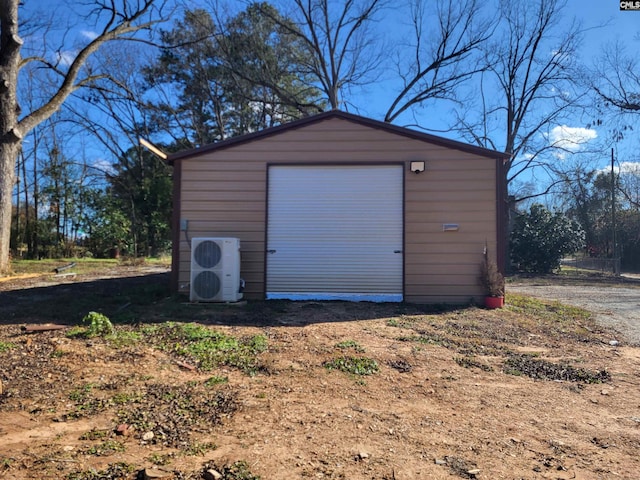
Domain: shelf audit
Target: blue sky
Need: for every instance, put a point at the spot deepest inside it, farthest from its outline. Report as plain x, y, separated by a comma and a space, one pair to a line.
603, 23
602, 20
373, 101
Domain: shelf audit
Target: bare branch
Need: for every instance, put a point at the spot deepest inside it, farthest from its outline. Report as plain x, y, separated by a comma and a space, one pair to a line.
127, 25
459, 33
342, 51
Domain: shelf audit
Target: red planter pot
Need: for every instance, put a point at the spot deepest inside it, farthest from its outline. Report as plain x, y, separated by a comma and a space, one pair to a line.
494, 302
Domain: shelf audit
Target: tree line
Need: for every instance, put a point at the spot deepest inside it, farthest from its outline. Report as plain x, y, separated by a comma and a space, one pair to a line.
76, 181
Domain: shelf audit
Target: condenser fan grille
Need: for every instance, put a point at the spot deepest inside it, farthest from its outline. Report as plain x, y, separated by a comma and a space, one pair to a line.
207, 254
206, 284
215, 269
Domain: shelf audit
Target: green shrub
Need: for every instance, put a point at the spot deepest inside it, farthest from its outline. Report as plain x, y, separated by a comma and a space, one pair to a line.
99, 325
541, 238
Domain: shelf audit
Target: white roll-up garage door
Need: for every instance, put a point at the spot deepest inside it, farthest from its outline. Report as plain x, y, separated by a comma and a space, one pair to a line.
335, 232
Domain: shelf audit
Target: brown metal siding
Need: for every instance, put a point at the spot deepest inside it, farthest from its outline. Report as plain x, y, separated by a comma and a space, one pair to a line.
223, 193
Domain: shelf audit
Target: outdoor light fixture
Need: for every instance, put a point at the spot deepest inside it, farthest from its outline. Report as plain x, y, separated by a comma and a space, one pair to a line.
417, 167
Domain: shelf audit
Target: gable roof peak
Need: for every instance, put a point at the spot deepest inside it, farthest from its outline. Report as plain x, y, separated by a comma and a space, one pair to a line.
336, 113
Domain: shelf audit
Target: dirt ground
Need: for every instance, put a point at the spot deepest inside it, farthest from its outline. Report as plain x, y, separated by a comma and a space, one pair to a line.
526, 392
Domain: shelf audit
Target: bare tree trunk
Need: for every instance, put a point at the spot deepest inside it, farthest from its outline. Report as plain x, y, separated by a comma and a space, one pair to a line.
122, 23
27, 224
10, 138
35, 246
17, 234
8, 154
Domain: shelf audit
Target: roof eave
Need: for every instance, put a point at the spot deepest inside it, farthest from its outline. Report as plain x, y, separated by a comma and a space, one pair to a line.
425, 137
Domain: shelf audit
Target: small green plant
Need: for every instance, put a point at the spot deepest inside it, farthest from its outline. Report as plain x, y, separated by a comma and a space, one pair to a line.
6, 346
353, 365
106, 448
58, 353
115, 471
401, 322
216, 380
123, 338
209, 348
350, 344
198, 449
99, 325
122, 398
161, 459
81, 394
94, 434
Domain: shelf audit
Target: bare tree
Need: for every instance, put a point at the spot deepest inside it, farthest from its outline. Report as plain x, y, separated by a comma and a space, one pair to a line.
336, 34
445, 37
616, 78
117, 19
528, 87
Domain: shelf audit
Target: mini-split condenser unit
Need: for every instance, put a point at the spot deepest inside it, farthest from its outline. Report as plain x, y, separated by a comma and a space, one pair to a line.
215, 270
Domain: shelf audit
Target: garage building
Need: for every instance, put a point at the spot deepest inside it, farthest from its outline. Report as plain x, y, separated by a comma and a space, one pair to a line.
338, 206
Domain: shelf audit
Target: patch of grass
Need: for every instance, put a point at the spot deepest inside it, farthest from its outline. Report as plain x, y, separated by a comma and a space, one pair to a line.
554, 318
106, 448
6, 346
81, 393
216, 380
171, 412
554, 311
83, 265
122, 398
94, 434
161, 458
350, 344
76, 332
199, 449
401, 322
115, 471
58, 353
428, 339
85, 403
185, 332
123, 338
209, 348
353, 365
544, 370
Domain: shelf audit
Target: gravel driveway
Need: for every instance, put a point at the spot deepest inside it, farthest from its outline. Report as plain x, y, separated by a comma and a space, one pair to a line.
614, 307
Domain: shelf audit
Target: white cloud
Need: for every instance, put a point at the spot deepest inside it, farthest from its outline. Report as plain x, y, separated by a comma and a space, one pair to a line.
104, 166
625, 168
570, 139
88, 34
66, 57
630, 167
